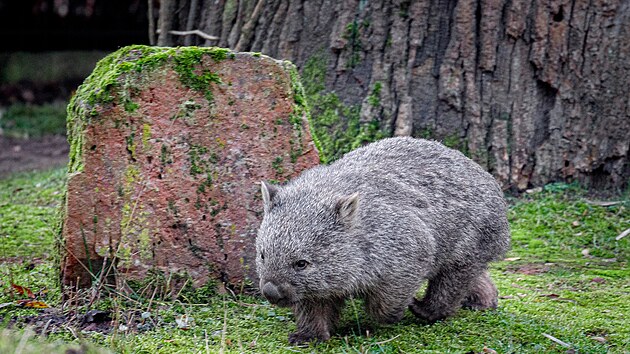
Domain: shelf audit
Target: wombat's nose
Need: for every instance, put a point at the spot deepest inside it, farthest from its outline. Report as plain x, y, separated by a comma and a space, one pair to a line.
271, 292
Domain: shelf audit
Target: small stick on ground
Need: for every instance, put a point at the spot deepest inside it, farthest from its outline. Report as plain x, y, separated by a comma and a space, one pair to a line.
603, 203
622, 235
564, 344
387, 341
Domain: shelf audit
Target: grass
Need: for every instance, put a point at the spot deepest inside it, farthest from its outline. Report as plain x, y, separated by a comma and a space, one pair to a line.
548, 285
20, 120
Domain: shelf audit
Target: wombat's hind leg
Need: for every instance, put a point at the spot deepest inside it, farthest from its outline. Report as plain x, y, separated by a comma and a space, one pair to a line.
315, 320
445, 294
482, 295
387, 308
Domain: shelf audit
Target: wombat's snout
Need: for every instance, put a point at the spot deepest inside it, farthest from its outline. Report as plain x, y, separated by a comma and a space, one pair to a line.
272, 293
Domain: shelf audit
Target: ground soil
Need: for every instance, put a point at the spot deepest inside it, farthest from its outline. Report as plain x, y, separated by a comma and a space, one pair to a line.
42, 153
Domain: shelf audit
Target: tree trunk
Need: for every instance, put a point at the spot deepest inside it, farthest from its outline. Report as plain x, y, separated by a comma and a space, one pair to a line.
535, 91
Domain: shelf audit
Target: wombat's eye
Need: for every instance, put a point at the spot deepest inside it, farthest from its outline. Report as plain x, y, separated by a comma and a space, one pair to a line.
262, 256
301, 264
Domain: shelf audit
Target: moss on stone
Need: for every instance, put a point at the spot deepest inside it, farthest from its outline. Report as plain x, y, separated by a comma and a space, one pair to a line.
299, 113
146, 136
277, 165
118, 77
197, 163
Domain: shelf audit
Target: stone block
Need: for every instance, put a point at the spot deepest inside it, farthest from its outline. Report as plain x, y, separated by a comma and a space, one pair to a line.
167, 148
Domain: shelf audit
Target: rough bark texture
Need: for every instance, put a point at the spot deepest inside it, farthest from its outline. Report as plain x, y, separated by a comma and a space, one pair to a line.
535, 91
167, 148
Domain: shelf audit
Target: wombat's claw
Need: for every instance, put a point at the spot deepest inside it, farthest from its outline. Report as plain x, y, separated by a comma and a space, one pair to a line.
297, 338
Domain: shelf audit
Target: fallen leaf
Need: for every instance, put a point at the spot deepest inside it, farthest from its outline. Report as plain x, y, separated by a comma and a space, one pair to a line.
586, 253
512, 259
32, 304
575, 223
598, 280
506, 297
23, 291
489, 350
6, 304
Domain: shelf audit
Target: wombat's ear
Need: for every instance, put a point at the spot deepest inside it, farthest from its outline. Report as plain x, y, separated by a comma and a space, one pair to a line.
346, 208
268, 192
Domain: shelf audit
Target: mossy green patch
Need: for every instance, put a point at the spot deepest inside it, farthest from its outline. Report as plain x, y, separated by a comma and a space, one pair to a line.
299, 113
197, 159
374, 99
118, 78
146, 136
185, 65
353, 36
335, 126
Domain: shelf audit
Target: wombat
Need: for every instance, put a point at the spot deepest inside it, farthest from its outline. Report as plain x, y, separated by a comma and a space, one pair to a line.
374, 225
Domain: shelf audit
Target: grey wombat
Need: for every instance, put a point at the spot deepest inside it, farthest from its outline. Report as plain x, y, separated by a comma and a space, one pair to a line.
374, 225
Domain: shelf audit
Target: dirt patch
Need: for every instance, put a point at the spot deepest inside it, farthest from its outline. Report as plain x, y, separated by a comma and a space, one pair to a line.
53, 320
21, 155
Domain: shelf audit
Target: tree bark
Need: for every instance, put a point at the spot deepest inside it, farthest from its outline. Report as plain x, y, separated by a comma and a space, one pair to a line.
534, 91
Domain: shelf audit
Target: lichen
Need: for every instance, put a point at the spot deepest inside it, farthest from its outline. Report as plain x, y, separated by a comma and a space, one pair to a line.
146, 136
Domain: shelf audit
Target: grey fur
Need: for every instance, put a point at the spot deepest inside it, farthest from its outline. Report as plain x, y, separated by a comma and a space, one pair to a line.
375, 224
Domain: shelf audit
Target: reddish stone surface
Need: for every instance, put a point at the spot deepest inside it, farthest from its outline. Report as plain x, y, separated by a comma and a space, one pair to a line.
173, 186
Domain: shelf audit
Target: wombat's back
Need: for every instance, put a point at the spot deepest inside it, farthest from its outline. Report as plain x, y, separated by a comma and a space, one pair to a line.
459, 203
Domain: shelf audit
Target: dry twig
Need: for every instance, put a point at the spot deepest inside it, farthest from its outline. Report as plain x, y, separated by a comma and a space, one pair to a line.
564, 344
197, 32
622, 235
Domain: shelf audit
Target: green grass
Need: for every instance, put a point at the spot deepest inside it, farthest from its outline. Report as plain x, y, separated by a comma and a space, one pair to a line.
26, 342
20, 120
547, 285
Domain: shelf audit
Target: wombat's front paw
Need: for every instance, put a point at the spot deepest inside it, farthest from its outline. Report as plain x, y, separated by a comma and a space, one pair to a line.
296, 338
422, 311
